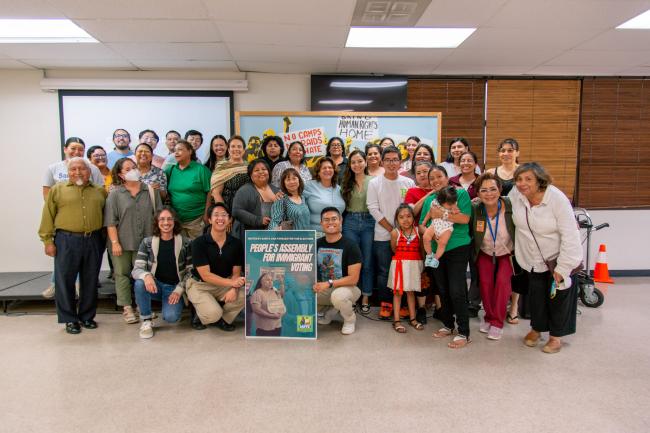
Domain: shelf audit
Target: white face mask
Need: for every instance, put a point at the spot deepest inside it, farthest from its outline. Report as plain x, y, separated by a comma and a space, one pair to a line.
132, 176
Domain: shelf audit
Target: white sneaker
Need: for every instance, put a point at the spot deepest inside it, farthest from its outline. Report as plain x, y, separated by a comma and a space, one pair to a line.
328, 316
48, 293
484, 328
146, 329
495, 333
348, 327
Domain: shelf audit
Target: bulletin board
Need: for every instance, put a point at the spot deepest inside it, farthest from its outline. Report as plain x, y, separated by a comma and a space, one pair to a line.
314, 128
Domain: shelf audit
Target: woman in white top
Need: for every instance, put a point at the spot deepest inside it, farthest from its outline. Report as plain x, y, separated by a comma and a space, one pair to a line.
457, 146
546, 233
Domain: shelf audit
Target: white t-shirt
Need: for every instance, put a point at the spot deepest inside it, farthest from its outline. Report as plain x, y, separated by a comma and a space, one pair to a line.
384, 197
58, 172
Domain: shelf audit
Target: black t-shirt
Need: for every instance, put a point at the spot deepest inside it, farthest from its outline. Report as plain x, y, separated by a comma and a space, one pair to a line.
334, 258
205, 251
166, 268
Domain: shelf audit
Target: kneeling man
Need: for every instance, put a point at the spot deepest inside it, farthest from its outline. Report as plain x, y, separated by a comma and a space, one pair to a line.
339, 265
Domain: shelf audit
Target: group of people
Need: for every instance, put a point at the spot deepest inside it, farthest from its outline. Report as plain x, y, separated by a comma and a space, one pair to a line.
174, 229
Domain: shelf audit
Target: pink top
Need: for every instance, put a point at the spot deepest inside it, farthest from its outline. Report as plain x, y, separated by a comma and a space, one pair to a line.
503, 244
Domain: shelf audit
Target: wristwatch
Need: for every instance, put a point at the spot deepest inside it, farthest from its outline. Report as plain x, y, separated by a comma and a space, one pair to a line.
331, 283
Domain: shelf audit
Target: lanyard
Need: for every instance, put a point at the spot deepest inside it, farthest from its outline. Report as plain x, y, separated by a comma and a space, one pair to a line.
496, 229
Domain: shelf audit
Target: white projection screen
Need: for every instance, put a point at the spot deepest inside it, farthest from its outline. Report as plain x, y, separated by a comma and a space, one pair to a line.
94, 115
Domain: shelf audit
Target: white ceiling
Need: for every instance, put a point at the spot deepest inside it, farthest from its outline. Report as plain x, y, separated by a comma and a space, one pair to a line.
513, 37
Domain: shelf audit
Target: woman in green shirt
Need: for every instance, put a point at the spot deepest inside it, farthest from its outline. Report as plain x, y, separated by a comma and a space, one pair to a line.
358, 224
450, 274
188, 185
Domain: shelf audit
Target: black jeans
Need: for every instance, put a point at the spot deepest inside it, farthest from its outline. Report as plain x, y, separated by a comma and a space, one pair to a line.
451, 281
77, 254
557, 315
474, 291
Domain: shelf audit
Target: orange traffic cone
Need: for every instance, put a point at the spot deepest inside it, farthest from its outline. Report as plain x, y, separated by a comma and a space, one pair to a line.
601, 272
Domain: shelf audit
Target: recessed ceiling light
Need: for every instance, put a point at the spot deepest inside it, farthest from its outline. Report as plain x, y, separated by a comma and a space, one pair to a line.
638, 22
406, 37
19, 31
345, 101
367, 84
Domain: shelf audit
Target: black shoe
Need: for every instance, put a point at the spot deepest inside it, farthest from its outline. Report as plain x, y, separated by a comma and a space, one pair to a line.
89, 324
421, 315
224, 326
197, 325
437, 313
73, 328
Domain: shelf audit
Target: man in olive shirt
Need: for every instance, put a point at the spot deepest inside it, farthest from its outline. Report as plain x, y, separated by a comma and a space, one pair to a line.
71, 231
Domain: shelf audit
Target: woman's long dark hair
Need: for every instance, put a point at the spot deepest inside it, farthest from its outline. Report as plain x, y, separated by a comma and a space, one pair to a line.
349, 178
211, 163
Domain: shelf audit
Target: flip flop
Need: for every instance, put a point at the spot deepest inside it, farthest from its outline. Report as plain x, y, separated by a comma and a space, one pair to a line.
459, 342
512, 320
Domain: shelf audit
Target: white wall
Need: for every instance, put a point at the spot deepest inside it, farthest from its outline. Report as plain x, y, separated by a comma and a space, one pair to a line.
29, 122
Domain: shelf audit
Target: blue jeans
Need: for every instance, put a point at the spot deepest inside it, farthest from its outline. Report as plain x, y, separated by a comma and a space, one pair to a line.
383, 256
360, 228
170, 313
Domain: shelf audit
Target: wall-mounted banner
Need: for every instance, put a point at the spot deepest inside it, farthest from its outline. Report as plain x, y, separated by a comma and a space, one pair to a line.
315, 128
280, 275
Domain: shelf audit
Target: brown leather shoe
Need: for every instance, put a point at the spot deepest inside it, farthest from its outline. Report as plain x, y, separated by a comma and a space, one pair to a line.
531, 338
552, 347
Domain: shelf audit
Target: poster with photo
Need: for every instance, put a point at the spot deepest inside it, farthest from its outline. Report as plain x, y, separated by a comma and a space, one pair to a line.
280, 273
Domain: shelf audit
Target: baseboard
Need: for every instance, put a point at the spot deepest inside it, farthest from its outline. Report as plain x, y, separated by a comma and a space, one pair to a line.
630, 273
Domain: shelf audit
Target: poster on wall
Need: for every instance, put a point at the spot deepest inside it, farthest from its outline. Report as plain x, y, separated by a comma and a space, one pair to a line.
315, 128
280, 275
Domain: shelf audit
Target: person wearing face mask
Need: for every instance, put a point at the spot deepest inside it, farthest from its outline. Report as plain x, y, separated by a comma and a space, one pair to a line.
58, 172
122, 140
71, 231
128, 217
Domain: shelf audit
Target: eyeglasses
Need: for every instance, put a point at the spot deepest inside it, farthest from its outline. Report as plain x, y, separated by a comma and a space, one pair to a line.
330, 220
121, 136
486, 190
98, 156
391, 161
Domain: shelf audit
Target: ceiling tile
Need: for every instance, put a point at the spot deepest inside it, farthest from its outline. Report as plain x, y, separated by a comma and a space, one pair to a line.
13, 64
304, 12
287, 68
283, 53
639, 71
59, 63
186, 64
172, 51
498, 58
147, 9
567, 14
459, 13
480, 70
52, 51
576, 71
283, 34
600, 58
151, 30
395, 56
628, 40
29, 9
383, 68
526, 38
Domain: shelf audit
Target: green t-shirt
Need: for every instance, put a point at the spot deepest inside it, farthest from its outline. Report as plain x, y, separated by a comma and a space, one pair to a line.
460, 235
188, 189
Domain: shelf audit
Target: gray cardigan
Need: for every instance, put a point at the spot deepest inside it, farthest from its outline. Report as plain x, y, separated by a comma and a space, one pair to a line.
146, 261
247, 210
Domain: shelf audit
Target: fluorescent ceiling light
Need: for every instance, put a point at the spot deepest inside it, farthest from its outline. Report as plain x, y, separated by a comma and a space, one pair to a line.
638, 22
411, 37
345, 102
367, 84
19, 31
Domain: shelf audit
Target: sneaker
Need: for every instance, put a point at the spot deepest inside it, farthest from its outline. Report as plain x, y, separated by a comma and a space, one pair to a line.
365, 309
48, 293
328, 316
431, 261
146, 329
348, 327
404, 313
484, 328
129, 315
495, 333
385, 311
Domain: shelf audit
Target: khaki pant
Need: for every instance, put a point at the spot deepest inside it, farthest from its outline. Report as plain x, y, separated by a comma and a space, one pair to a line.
342, 298
205, 297
193, 229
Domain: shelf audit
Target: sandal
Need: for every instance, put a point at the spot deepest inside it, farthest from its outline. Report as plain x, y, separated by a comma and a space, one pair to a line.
365, 309
512, 320
398, 327
458, 342
443, 332
417, 325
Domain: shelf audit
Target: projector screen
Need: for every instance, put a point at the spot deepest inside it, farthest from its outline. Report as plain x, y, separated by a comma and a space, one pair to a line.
94, 115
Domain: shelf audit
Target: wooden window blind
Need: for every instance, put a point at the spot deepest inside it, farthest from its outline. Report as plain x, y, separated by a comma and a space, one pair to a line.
462, 104
615, 143
542, 115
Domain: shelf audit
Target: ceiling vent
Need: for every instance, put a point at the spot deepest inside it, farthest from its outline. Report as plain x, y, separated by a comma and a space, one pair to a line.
387, 13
